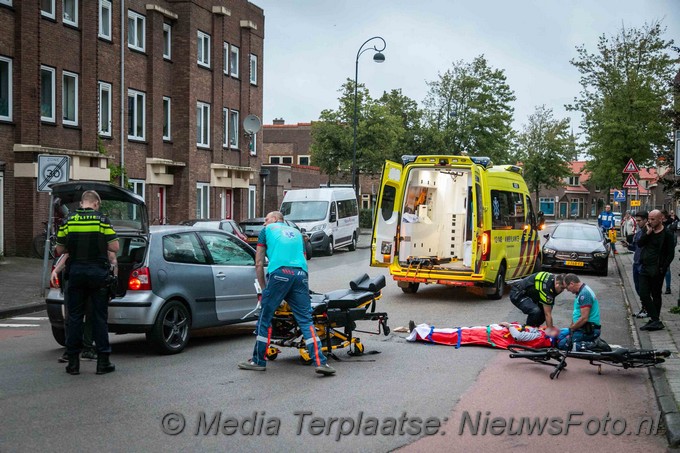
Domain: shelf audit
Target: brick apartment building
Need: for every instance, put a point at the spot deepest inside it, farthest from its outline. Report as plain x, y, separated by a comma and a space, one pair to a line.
158, 88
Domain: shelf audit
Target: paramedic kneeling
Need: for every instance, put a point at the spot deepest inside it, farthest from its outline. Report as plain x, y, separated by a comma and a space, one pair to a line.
288, 280
535, 296
585, 325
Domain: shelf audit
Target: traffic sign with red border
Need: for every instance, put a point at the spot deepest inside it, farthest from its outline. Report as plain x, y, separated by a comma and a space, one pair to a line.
631, 182
631, 167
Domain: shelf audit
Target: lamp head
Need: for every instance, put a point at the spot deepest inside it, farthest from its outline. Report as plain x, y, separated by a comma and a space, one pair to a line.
379, 57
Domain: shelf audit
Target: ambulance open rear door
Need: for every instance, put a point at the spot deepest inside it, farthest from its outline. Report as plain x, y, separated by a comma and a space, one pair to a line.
385, 239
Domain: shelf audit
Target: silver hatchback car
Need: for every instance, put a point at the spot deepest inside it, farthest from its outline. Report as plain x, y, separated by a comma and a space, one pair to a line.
171, 278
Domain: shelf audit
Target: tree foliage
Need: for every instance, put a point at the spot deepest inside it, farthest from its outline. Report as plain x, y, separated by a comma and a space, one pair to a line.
467, 110
385, 130
626, 100
545, 147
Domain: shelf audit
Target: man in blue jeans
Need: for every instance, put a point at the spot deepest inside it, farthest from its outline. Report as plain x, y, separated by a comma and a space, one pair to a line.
287, 279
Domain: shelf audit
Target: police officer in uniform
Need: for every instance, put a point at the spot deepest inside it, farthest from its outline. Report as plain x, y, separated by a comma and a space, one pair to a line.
88, 237
535, 296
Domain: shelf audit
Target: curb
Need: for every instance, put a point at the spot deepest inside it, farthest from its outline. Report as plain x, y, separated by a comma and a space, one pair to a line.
664, 395
21, 310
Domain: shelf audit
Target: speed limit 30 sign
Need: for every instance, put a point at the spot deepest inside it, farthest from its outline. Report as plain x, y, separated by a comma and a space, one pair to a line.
51, 170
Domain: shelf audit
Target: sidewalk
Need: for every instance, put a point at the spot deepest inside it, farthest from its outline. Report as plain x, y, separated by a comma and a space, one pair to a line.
20, 290
665, 378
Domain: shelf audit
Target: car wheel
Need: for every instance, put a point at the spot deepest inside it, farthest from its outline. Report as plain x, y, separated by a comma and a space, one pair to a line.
330, 248
59, 335
308, 250
605, 270
170, 332
353, 245
412, 288
539, 264
499, 285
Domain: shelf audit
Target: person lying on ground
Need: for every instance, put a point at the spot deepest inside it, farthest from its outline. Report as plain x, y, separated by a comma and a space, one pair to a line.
499, 335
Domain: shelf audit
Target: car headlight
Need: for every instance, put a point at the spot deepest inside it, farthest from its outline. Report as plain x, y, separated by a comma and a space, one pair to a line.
319, 227
600, 254
548, 251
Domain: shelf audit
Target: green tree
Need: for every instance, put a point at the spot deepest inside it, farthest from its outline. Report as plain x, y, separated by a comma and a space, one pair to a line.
467, 110
405, 108
381, 132
626, 100
545, 148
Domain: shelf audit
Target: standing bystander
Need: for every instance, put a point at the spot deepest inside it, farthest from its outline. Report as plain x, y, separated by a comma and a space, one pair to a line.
606, 222
628, 227
658, 249
633, 246
88, 236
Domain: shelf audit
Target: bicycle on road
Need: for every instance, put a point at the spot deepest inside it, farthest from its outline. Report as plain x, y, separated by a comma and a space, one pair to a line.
39, 242
619, 357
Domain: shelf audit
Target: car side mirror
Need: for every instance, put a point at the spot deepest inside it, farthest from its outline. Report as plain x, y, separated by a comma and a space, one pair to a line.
547, 236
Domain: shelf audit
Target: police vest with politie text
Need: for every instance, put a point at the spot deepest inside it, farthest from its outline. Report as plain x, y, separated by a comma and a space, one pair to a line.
87, 234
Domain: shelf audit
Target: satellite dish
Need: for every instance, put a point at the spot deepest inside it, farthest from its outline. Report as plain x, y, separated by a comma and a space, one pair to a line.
252, 124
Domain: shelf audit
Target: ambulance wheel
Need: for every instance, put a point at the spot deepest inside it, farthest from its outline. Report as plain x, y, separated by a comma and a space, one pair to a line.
329, 248
499, 285
305, 361
412, 288
357, 350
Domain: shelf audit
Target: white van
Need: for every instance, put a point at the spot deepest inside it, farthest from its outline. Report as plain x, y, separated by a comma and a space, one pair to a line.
330, 216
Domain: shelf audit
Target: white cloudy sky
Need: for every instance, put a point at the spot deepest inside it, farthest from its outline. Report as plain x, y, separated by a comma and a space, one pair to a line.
311, 46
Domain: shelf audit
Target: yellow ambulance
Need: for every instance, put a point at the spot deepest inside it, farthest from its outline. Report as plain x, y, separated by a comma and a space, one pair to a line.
454, 220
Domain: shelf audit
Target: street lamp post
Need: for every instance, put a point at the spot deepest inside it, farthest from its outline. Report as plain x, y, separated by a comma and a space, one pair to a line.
378, 58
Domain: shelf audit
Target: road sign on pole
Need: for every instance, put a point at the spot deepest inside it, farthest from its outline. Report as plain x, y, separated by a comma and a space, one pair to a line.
52, 169
631, 182
619, 195
631, 167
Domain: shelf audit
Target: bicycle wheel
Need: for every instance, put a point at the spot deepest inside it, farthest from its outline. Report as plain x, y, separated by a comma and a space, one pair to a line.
39, 245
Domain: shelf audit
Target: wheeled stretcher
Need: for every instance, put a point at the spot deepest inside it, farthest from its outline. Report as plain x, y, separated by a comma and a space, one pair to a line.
334, 315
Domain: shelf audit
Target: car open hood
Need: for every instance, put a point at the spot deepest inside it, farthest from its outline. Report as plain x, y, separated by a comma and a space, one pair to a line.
126, 210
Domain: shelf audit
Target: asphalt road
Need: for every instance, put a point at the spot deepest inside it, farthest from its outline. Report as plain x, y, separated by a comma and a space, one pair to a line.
289, 408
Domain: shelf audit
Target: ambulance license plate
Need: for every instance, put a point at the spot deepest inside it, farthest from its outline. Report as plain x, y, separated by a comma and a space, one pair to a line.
574, 263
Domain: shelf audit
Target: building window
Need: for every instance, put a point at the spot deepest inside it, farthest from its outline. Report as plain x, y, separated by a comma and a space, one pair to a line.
253, 69
252, 198
233, 61
281, 160
233, 129
6, 2
573, 181
547, 205
203, 49
167, 41
225, 58
71, 12
136, 115
105, 109
225, 127
303, 160
252, 144
136, 30
47, 89
105, 19
69, 98
202, 200
47, 8
166, 118
5, 88
203, 124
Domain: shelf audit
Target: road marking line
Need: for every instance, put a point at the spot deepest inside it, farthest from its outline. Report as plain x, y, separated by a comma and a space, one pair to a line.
19, 325
30, 318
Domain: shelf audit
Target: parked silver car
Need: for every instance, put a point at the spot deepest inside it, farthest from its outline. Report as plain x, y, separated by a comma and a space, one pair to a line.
171, 278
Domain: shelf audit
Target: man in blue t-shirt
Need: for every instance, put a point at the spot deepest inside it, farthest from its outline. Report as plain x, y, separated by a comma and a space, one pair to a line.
585, 320
287, 279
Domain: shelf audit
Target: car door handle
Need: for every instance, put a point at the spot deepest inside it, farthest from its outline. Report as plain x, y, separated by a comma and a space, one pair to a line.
221, 275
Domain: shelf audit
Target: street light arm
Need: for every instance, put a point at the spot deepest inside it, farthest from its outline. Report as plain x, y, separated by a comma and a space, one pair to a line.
375, 47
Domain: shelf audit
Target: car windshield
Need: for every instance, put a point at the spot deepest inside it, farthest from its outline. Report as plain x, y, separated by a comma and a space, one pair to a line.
304, 211
582, 232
